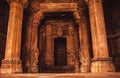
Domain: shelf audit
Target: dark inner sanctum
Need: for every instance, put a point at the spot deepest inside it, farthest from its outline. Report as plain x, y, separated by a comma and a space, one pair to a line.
60, 52
59, 36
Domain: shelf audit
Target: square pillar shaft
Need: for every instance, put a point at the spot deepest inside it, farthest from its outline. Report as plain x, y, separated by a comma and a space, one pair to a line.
12, 62
101, 61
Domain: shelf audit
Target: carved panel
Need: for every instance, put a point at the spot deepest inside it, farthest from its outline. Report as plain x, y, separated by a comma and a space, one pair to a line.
60, 29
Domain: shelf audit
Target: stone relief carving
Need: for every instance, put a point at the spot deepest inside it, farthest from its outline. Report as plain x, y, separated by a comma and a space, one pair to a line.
34, 58
71, 31
59, 31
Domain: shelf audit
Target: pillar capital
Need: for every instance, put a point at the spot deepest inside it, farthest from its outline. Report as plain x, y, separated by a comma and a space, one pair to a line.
37, 18
34, 6
22, 2
48, 30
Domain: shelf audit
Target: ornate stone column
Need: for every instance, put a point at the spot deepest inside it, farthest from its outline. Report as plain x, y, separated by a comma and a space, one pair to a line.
34, 42
101, 61
49, 47
12, 62
84, 41
32, 37
34, 47
84, 46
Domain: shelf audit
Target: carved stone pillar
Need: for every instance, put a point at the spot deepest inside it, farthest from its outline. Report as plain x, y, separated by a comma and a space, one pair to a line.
32, 37
34, 43
101, 61
12, 62
70, 47
34, 47
83, 39
49, 47
84, 46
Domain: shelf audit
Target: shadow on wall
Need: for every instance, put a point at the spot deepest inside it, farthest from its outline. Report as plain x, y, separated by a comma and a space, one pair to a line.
4, 14
112, 19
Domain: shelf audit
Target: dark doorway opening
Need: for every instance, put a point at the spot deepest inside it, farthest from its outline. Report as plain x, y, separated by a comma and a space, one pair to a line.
60, 52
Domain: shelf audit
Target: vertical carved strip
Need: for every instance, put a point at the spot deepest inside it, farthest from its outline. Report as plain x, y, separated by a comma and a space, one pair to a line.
34, 44
84, 47
83, 39
70, 47
49, 46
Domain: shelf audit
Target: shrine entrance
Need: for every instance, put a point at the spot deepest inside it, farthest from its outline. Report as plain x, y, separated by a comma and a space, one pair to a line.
57, 39
60, 52
58, 26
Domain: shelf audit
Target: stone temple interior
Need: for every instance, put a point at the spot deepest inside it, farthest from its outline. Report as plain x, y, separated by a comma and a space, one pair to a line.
59, 36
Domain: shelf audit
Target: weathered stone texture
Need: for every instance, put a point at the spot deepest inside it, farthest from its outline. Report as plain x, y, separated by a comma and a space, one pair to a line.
64, 19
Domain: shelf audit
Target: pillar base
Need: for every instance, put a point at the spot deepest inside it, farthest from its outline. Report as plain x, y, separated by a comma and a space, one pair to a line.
77, 70
102, 65
34, 69
85, 68
11, 66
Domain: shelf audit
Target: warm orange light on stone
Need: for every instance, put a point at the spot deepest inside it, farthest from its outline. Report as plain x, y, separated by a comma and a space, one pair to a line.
48, 20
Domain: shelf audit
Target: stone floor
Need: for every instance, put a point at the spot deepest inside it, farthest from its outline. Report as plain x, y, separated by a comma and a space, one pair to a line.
61, 75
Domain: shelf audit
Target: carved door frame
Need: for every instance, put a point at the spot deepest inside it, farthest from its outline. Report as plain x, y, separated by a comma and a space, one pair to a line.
58, 7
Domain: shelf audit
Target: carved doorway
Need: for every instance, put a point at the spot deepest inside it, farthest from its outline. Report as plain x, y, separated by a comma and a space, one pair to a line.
60, 52
58, 30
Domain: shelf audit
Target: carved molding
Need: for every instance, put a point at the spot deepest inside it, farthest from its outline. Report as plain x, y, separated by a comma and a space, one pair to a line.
60, 7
